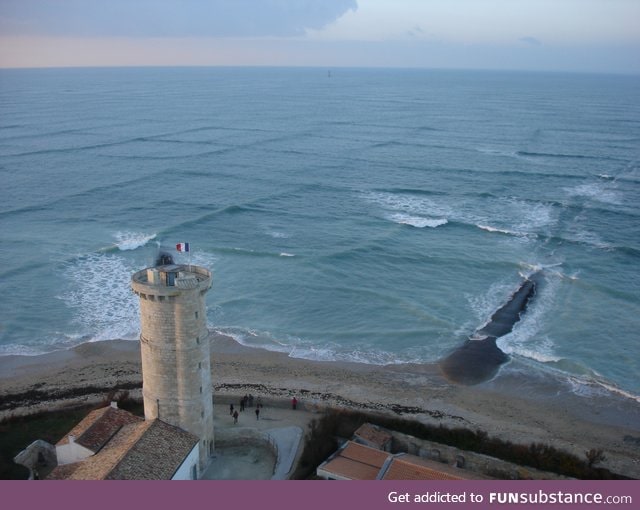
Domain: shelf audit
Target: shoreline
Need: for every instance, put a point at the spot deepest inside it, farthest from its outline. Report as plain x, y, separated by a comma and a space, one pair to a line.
514, 406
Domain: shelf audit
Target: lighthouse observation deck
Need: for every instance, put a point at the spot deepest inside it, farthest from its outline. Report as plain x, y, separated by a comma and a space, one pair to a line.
170, 280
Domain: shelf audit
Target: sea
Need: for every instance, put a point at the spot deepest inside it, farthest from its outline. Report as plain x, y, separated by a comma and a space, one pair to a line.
372, 215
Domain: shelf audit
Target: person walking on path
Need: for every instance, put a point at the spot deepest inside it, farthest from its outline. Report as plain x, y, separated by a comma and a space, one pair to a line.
294, 403
242, 404
231, 409
250, 400
235, 417
257, 413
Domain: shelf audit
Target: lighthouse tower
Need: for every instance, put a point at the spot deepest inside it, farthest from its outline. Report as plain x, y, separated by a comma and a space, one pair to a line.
174, 343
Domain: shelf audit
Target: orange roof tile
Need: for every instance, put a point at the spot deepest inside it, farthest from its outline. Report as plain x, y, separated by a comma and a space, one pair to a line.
351, 469
364, 454
356, 462
410, 467
373, 434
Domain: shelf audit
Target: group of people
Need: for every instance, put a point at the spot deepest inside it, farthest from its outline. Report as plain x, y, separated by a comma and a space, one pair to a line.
246, 401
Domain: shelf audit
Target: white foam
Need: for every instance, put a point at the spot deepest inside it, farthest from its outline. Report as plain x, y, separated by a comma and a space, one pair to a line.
525, 339
504, 215
604, 192
485, 305
285, 254
100, 296
494, 229
595, 387
411, 205
532, 217
504, 231
417, 221
277, 234
126, 241
588, 238
254, 338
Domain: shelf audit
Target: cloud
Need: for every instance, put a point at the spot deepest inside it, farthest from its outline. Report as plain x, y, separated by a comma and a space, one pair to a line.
169, 18
531, 41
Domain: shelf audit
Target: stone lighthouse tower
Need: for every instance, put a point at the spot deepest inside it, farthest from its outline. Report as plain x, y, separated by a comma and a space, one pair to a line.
174, 342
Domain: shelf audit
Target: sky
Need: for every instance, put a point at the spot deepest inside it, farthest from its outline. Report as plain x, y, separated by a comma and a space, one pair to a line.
550, 35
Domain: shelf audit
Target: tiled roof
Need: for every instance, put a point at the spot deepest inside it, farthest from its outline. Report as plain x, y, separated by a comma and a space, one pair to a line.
410, 467
352, 470
356, 462
360, 462
140, 450
98, 466
99, 426
364, 454
373, 434
156, 455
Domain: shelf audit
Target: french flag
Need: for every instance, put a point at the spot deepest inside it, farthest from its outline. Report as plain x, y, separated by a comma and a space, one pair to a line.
182, 247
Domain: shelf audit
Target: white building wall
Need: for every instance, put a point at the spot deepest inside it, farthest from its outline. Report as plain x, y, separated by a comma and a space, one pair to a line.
185, 471
71, 452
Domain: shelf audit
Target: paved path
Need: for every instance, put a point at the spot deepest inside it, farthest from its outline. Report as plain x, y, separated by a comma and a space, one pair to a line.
284, 426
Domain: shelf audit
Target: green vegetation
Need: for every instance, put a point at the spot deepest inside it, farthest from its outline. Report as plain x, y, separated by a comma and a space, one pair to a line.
16, 433
321, 442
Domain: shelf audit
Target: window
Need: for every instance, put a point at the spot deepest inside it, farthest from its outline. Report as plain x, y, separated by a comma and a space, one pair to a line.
196, 315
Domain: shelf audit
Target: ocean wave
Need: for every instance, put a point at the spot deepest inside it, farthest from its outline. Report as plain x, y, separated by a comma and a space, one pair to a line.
504, 231
126, 241
527, 154
604, 192
254, 338
496, 152
587, 238
248, 252
196, 257
525, 340
296, 347
100, 297
410, 209
588, 387
417, 221
410, 191
517, 217
409, 204
277, 234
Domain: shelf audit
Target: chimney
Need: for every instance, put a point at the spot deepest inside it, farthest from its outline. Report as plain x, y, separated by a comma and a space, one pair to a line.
72, 439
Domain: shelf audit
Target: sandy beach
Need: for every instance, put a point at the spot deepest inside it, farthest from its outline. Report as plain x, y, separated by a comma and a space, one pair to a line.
512, 406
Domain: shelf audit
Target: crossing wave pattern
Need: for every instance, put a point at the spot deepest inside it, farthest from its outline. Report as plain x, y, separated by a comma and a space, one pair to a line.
381, 216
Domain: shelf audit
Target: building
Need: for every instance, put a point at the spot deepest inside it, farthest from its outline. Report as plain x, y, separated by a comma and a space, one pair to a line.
113, 444
373, 436
174, 343
356, 461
